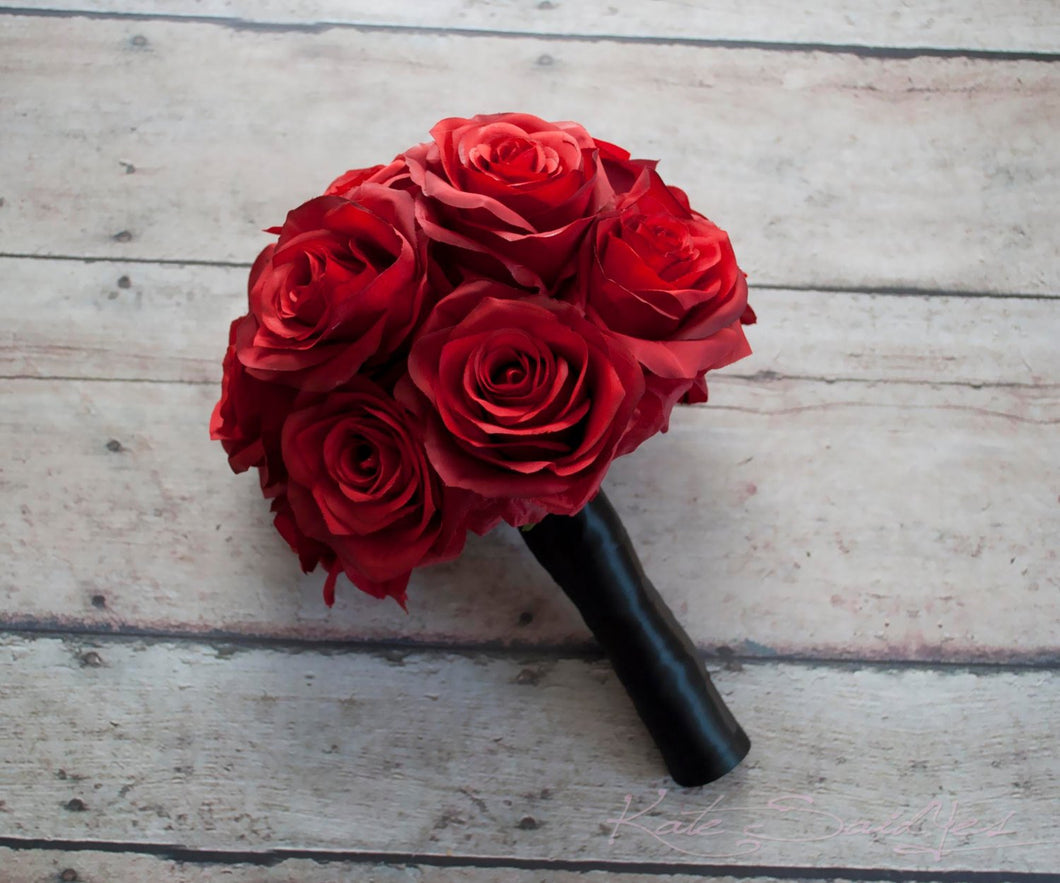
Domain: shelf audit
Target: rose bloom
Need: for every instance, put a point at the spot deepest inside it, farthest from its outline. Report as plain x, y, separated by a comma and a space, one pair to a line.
343, 288
361, 486
248, 418
524, 402
664, 280
515, 191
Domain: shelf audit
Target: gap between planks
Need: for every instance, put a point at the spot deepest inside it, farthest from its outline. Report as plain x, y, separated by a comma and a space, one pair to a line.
137, 322
396, 648
881, 291
1019, 29
129, 861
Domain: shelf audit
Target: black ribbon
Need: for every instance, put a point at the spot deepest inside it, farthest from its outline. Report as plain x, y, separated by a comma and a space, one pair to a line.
591, 557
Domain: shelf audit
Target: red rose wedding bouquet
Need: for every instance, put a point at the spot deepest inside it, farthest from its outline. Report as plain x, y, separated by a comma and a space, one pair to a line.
470, 335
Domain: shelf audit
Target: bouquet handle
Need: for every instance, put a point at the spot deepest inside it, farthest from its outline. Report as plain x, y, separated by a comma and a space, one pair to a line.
592, 559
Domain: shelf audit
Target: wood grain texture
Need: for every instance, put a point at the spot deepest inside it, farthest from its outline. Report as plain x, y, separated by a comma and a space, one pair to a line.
1019, 26
883, 520
122, 321
47, 866
246, 750
880, 481
181, 140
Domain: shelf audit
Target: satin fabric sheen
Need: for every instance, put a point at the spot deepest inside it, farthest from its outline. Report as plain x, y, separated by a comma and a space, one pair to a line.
592, 559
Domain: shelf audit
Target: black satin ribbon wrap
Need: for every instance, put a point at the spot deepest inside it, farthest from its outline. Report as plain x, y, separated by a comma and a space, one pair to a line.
591, 557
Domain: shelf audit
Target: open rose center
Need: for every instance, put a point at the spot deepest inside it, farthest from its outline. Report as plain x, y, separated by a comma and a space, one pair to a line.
515, 159
303, 300
523, 390
508, 373
302, 305
510, 376
664, 243
359, 461
364, 460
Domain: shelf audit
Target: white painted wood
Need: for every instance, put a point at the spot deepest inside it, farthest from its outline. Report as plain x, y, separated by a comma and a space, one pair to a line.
892, 511
117, 320
1022, 25
436, 753
47, 866
828, 170
880, 520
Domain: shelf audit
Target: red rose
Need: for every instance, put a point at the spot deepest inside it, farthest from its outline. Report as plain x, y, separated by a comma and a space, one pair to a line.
526, 403
343, 288
664, 280
468, 334
513, 187
360, 484
248, 418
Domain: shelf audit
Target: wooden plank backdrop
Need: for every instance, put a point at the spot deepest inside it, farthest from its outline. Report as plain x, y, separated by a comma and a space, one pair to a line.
769, 532
859, 531
829, 170
1021, 27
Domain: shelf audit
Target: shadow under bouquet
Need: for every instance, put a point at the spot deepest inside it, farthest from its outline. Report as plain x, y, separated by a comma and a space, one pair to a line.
470, 335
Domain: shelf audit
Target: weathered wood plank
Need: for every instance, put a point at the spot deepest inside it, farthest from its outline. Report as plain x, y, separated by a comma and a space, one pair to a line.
218, 748
47, 866
188, 138
116, 320
1022, 25
844, 520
